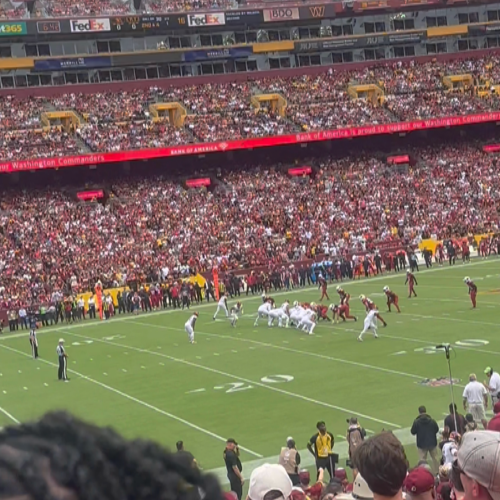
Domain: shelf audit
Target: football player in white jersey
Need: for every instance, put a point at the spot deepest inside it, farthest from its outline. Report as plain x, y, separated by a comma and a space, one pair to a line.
236, 312
222, 305
370, 324
307, 322
262, 312
189, 327
280, 314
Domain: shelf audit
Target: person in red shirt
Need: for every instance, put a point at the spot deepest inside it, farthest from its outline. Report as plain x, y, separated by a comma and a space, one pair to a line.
314, 491
344, 296
369, 306
392, 298
323, 285
322, 312
465, 251
411, 281
341, 311
494, 423
472, 290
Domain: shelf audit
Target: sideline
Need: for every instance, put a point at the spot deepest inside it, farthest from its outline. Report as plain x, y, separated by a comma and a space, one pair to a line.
8, 415
306, 459
245, 299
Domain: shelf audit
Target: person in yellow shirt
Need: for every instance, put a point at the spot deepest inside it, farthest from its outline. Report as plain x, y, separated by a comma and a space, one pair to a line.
321, 446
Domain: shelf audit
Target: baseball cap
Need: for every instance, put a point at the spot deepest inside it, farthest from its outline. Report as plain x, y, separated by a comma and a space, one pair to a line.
233, 441
61, 340
487, 370
269, 477
479, 459
419, 481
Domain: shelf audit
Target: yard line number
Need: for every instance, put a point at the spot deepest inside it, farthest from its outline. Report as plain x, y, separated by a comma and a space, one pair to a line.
231, 387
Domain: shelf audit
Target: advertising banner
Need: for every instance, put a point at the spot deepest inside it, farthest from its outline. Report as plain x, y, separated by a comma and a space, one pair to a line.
206, 20
205, 55
15, 28
72, 63
281, 14
89, 25
258, 142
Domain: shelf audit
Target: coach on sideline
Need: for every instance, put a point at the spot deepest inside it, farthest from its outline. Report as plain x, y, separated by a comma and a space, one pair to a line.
492, 385
476, 396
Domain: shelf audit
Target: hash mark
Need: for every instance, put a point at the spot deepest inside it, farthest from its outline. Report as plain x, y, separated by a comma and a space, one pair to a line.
234, 351
216, 354
45, 384
5, 392
105, 374
25, 388
162, 364
123, 370
143, 367
19, 371
198, 357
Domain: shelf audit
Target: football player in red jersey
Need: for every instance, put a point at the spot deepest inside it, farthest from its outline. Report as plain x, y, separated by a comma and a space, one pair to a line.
472, 290
322, 312
344, 296
341, 311
323, 285
411, 281
370, 305
392, 298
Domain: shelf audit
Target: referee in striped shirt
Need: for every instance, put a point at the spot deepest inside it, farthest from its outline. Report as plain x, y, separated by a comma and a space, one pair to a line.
33, 339
63, 361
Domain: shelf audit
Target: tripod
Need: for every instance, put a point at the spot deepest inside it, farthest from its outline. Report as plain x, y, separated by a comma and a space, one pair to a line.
447, 349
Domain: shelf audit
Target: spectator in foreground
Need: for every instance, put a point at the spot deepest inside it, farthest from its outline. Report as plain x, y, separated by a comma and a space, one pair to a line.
382, 462
426, 429
494, 423
471, 425
449, 421
477, 469
61, 457
289, 459
269, 482
419, 484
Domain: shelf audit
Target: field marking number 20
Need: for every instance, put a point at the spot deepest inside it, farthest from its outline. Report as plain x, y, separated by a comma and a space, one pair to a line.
459, 343
242, 386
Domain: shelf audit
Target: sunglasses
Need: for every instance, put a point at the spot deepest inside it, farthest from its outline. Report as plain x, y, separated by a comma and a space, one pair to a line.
455, 477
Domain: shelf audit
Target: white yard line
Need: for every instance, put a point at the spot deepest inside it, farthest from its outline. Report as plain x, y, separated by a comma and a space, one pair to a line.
243, 299
241, 379
136, 400
306, 459
290, 349
8, 415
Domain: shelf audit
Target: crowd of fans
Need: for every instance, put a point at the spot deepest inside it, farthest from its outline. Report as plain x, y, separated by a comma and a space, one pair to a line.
256, 216
224, 111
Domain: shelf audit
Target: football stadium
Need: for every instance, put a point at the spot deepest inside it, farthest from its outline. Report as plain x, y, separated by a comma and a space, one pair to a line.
249, 249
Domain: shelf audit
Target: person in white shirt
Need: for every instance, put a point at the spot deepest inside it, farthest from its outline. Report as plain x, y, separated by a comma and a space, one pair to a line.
492, 385
263, 312
222, 305
81, 308
369, 325
307, 321
476, 397
189, 327
23, 318
280, 314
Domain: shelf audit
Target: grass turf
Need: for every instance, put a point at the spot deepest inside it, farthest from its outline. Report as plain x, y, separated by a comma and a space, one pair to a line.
260, 385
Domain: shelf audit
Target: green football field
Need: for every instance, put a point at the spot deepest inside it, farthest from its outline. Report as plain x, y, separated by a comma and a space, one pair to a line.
260, 385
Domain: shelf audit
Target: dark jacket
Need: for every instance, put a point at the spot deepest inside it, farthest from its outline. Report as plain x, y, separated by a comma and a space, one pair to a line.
426, 429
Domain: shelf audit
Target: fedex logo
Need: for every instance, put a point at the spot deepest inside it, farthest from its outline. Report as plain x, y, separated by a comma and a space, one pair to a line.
89, 25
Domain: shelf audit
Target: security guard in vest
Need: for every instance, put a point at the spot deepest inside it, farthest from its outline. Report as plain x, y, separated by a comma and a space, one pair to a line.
321, 446
289, 459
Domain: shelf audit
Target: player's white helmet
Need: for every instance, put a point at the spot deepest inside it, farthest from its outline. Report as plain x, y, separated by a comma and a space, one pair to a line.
466, 279
362, 297
407, 271
386, 288
296, 303
312, 304
339, 288
332, 307
263, 295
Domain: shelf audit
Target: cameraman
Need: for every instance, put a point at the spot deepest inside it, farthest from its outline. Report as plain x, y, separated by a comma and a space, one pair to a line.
355, 436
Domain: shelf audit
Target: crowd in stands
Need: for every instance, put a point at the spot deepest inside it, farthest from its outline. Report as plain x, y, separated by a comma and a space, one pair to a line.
223, 111
256, 216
